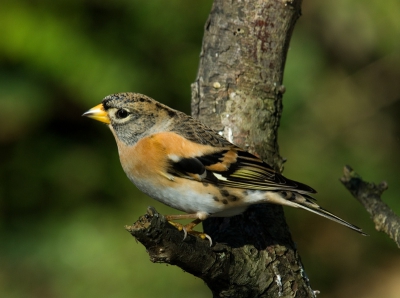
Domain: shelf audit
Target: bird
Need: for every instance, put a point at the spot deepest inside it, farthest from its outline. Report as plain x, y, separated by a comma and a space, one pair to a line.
179, 161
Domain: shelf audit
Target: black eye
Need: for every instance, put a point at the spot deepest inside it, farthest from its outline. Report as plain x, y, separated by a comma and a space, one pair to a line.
121, 113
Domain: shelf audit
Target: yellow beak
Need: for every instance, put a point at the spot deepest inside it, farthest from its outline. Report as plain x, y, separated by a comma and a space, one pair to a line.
98, 113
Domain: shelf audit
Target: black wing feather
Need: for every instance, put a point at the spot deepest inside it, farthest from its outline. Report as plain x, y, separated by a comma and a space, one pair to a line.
211, 159
248, 172
189, 165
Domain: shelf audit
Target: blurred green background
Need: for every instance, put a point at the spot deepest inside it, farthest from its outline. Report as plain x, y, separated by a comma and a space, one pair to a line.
64, 198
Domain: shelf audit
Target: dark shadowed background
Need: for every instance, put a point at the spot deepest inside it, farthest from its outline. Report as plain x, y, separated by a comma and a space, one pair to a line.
64, 198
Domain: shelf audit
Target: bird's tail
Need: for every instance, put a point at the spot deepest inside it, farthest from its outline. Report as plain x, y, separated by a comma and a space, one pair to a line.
305, 202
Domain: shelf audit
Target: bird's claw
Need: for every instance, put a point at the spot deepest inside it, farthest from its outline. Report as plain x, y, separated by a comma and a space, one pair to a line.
184, 233
188, 230
208, 237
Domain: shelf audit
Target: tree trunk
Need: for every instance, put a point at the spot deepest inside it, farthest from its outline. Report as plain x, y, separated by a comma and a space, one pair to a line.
238, 92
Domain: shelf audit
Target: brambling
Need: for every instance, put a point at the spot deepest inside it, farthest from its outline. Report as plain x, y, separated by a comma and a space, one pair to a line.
182, 163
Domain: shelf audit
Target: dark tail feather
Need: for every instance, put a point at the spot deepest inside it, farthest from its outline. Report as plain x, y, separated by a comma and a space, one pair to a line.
314, 208
304, 201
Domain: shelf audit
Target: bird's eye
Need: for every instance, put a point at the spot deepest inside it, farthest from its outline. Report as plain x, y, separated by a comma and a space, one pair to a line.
121, 113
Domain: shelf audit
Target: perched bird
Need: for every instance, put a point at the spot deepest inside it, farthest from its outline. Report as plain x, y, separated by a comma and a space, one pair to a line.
182, 163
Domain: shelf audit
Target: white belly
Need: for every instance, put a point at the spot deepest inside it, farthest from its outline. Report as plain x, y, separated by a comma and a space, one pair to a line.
185, 198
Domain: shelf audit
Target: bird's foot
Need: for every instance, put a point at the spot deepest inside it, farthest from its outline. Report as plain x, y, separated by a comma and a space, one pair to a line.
188, 229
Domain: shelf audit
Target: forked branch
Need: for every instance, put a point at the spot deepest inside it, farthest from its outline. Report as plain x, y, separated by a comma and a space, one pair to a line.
369, 195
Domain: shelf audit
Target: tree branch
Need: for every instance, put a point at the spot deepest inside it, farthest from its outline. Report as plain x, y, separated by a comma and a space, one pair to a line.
216, 265
165, 244
369, 195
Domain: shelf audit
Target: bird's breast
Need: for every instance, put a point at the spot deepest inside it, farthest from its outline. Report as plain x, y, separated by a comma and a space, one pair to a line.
146, 165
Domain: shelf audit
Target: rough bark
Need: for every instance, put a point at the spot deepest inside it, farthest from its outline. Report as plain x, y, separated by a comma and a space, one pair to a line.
369, 195
238, 92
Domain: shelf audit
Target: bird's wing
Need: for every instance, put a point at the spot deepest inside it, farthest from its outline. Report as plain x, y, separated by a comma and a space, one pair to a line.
227, 165
233, 167
195, 131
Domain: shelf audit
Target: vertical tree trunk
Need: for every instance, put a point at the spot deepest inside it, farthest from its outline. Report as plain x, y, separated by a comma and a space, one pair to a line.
238, 92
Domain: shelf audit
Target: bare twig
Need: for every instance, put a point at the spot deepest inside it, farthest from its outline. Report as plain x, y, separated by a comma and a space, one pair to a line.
369, 195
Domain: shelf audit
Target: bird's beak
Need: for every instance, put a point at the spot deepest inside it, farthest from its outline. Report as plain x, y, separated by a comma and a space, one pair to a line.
98, 113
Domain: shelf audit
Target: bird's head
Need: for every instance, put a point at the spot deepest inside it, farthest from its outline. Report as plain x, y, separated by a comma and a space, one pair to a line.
131, 116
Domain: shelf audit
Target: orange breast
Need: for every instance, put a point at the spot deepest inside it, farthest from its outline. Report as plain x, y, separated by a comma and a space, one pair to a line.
150, 157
